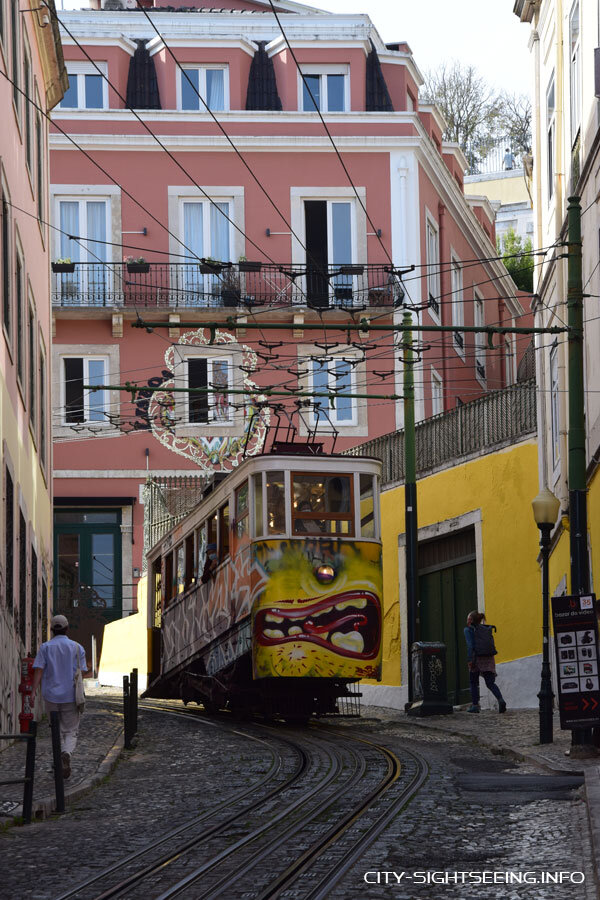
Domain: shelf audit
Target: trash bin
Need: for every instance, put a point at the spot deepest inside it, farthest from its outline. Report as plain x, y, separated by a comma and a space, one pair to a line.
430, 693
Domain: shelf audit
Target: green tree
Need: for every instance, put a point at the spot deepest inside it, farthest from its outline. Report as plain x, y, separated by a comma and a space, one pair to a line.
517, 257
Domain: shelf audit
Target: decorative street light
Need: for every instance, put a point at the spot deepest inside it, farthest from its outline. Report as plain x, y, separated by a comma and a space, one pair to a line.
545, 512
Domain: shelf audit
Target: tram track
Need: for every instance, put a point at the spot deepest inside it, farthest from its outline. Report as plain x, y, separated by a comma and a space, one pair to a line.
290, 822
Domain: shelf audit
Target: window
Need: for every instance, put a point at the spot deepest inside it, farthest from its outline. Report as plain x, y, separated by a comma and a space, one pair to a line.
575, 71
34, 613
79, 405
550, 135
508, 361
6, 304
258, 505
39, 156
458, 337
9, 537
204, 83
322, 504
32, 347
28, 88
90, 220
180, 569
324, 88
207, 232
241, 510
43, 426
22, 578
433, 267
554, 407
88, 560
329, 242
88, 89
480, 348
275, 503
15, 30
223, 532
212, 375
20, 302
333, 377
437, 393
368, 524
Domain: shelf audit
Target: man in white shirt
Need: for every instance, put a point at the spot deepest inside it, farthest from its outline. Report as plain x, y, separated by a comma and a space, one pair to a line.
55, 666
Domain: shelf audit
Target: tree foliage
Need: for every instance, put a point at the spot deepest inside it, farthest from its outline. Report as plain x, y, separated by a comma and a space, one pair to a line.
517, 257
477, 117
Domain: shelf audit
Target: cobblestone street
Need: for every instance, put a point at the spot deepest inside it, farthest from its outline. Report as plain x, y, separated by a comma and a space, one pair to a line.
182, 768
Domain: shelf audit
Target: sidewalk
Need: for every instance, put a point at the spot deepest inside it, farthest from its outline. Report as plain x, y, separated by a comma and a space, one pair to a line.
98, 747
515, 733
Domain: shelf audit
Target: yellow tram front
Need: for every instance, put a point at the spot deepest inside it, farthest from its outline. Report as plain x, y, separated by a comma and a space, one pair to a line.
316, 582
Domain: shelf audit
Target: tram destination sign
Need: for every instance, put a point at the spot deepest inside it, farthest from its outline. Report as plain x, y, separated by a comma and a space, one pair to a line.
576, 643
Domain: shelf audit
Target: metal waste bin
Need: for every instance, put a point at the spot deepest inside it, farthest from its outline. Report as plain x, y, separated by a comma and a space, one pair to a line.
430, 692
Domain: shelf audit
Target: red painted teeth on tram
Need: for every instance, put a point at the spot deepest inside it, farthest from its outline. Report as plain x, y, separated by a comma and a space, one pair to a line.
320, 620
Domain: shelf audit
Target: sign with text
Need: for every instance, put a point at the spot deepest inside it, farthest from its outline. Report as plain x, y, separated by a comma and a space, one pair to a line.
576, 642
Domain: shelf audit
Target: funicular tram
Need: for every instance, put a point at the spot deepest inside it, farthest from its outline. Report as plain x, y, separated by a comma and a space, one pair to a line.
267, 597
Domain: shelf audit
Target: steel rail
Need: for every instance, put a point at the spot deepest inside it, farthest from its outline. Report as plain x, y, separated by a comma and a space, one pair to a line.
274, 769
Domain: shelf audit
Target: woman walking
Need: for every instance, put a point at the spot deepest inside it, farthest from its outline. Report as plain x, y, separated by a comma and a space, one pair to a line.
480, 658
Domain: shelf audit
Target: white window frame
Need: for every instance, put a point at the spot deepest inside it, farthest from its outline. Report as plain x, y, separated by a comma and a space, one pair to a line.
575, 71
331, 418
432, 249
324, 70
232, 353
28, 132
554, 407
550, 136
458, 310
82, 200
480, 344
86, 68
206, 206
87, 358
210, 361
437, 393
56, 426
202, 70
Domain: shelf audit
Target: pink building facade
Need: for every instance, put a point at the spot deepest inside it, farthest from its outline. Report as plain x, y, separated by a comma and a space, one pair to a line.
32, 81
316, 162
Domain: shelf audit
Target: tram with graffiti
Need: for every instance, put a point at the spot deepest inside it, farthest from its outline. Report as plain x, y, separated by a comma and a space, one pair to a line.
267, 597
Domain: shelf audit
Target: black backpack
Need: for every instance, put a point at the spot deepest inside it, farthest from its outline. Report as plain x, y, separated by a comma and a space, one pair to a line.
484, 640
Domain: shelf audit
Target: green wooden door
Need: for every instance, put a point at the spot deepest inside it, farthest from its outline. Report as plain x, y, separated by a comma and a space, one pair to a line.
447, 595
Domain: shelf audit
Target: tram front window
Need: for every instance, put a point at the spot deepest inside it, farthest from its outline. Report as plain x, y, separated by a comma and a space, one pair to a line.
322, 504
275, 503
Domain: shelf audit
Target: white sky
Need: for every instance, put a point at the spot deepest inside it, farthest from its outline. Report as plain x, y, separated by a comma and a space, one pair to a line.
482, 33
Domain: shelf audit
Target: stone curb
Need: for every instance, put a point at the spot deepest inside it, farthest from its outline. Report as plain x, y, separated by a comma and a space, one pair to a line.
591, 784
43, 808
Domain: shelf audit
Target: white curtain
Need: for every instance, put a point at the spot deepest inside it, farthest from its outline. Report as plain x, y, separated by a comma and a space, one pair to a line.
215, 89
69, 224
219, 231
98, 274
193, 238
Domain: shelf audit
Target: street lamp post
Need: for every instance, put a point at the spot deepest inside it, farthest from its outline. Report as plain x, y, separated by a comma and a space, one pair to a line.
545, 511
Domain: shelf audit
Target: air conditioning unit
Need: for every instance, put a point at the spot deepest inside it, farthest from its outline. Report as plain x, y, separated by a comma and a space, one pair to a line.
113, 4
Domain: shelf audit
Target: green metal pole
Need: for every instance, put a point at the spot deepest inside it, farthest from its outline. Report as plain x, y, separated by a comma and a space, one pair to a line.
410, 496
580, 573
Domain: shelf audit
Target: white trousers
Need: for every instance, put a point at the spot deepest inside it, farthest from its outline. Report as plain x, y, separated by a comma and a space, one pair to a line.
69, 717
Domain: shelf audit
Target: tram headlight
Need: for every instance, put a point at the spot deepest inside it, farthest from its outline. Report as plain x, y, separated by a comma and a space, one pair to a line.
324, 573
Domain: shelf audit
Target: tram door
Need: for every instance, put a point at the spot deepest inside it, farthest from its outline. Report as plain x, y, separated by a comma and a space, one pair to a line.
448, 593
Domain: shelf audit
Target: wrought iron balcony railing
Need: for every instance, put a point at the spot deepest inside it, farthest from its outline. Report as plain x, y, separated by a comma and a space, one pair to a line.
495, 420
244, 284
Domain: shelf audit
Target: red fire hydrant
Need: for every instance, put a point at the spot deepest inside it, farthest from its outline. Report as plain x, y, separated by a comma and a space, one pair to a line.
25, 688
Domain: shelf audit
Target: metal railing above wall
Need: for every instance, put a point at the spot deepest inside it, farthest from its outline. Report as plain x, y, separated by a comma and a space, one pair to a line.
481, 426
192, 285
167, 500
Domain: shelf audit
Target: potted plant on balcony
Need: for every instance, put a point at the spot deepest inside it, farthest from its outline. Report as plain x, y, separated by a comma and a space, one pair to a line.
63, 265
136, 264
247, 265
210, 266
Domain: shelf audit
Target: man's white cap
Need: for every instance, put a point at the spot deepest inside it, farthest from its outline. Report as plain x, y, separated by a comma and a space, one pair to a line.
59, 622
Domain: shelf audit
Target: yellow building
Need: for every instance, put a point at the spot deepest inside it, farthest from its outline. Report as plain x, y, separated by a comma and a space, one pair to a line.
33, 58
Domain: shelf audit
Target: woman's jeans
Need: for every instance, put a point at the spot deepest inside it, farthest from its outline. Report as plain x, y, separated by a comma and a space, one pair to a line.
490, 683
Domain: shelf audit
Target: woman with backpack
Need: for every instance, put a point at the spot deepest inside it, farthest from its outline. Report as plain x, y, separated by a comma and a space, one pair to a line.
480, 658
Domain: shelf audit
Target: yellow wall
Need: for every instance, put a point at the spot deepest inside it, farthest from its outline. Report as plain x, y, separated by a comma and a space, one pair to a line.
499, 190
502, 486
125, 644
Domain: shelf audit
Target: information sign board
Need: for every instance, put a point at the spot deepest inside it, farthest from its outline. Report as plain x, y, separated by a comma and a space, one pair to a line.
576, 643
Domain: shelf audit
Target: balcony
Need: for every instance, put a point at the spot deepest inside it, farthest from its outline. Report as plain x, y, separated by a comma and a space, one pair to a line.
351, 287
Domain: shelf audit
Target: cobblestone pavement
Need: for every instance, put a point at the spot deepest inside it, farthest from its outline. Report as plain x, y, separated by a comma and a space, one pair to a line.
181, 768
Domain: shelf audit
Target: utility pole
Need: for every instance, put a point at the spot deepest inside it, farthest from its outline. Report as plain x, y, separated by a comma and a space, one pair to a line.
580, 571
410, 495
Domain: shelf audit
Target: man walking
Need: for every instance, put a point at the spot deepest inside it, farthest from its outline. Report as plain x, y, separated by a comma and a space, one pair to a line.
55, 666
